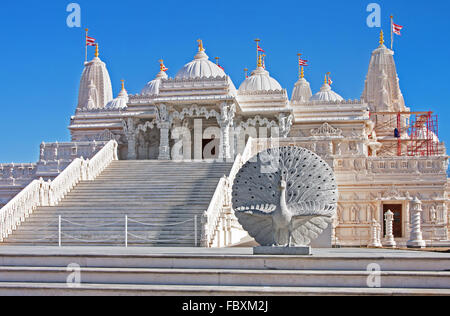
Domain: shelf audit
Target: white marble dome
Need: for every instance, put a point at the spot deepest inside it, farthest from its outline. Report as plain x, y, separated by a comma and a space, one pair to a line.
120, 102
200, 67
260, 80
326, 94
152, 88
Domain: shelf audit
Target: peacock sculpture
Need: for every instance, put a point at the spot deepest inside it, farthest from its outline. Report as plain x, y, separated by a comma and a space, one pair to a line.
285, 197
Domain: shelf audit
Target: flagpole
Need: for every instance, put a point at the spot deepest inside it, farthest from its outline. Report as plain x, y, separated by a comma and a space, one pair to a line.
392, 32
299, 67
85, 44
257, 50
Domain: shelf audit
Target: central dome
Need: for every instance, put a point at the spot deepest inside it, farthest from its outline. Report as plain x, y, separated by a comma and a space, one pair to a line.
200, 67
260, 80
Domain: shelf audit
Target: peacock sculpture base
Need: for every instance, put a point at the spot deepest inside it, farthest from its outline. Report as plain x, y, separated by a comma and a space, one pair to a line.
282, 251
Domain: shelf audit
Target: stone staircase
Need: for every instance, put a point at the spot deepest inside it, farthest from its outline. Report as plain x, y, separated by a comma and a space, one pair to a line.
161, 200
230, 272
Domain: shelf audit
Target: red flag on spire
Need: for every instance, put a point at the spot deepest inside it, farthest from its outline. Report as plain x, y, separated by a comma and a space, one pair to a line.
330, 82
302, 62
90, 41
260, 49
396, 29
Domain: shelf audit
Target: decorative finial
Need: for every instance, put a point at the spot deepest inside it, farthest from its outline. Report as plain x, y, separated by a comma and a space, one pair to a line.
381, 38
123, 84
246, 72
326, 79
96, 50
260, 61
161, 64
217, 60
302, 73
200, 46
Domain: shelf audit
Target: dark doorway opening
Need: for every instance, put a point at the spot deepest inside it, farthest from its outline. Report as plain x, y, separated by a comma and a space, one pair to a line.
397, 209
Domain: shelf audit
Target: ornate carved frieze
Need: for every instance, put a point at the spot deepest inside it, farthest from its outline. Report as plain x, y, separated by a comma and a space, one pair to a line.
326, 130
104, 136
193, 111
258, 120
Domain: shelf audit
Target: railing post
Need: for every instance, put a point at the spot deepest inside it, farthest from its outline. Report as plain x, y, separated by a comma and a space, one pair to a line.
126, 231
59, 231
196, 230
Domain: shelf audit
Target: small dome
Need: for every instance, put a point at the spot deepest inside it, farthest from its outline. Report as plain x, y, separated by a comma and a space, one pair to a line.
152, 88
200, 67
326, 94
120, 102
260, 80
95, 74
302, 91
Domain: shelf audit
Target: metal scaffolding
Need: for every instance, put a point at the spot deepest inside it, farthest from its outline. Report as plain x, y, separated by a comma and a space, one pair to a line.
413, 133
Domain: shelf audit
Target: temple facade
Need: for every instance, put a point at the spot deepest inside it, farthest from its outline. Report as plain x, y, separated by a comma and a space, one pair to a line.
383, 153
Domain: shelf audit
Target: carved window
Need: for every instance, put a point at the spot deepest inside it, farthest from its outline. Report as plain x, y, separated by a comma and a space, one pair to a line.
404, 165
429, 164
393, 166
382, 165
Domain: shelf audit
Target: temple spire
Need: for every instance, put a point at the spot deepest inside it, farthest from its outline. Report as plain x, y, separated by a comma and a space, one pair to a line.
96, 50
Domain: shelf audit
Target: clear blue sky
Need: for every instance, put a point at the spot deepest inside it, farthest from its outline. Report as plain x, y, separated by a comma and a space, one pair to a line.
42, 59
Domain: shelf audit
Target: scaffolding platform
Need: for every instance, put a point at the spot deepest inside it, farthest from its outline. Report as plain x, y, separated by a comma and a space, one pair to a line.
407, 133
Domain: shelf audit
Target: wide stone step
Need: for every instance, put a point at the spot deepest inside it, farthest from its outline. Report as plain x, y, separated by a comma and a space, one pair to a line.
61, 289
222, 277
345, 259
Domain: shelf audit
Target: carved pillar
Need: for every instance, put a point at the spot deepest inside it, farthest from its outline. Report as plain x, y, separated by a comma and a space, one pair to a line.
164, 147
164, 125
375, 241
131, 137
416, 240
226, 122
389, 222
225, 152
285, 124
